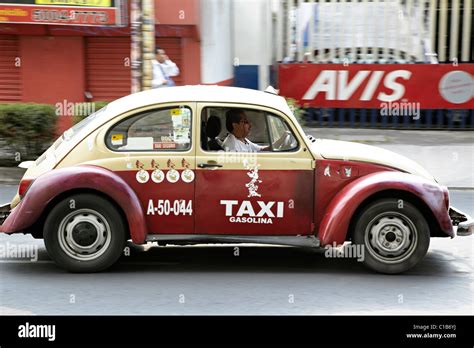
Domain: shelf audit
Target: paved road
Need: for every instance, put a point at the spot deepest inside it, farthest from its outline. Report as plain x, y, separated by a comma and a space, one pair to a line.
261, 280
7, 192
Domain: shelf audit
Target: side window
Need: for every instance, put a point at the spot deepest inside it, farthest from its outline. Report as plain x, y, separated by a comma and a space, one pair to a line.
167, 129
214, 129
281, 136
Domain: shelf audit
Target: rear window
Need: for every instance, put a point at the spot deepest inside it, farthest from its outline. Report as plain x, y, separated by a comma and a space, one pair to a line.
76, 129
166, 129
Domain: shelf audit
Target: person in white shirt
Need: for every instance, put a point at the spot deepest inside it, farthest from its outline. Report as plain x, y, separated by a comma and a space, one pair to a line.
163, 70
239, 128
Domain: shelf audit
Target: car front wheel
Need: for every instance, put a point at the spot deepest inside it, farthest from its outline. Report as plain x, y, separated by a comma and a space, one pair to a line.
394, 234
84, 233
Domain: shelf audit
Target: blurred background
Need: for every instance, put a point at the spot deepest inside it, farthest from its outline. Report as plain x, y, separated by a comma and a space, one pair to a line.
348, 67
393, 73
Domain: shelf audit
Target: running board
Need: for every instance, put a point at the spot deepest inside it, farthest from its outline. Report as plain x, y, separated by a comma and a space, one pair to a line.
297, 241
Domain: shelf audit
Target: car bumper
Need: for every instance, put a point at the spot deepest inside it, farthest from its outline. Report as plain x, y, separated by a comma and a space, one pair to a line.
463, 222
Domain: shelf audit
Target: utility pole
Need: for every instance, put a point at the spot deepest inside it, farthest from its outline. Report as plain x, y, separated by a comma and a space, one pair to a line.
142, 23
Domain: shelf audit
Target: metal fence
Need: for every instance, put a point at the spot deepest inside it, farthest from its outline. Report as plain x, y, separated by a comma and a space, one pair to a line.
375, 31
371, 118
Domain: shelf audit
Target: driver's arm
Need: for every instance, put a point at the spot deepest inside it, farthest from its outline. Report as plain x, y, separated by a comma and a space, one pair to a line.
277, 143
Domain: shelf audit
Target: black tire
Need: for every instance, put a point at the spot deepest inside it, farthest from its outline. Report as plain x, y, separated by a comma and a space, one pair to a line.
394, 234
93, 233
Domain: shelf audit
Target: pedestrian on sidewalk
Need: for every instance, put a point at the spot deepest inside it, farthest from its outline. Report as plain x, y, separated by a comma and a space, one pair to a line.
163, 70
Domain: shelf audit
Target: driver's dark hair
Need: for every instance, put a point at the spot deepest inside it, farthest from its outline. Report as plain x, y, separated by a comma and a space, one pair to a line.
233, 116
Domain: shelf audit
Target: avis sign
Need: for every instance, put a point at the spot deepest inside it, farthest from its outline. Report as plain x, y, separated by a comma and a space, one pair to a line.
370, 85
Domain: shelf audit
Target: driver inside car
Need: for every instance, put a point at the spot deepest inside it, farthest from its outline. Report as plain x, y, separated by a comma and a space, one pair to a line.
239, 128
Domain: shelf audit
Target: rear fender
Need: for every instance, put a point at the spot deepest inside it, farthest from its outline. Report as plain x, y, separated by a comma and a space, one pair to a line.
338, 215
55, 182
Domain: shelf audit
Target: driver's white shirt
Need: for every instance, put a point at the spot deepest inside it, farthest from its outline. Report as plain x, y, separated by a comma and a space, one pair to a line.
231, 143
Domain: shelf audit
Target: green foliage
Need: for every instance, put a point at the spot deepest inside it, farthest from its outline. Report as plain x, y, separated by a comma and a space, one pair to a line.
297, 110
26, 130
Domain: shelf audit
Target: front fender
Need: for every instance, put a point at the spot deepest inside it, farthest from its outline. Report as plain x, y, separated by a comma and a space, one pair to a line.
338, 215
53, 183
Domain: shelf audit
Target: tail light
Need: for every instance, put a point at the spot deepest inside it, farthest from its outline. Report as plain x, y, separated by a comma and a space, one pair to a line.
24, 186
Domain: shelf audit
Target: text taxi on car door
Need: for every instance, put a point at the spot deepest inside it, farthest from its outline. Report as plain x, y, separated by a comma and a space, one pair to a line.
209, 164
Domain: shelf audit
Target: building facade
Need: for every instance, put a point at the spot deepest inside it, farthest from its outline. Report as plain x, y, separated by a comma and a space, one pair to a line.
47, 63
223, 42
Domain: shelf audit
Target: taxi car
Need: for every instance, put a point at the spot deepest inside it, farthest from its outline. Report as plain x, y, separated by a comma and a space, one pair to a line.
150, 167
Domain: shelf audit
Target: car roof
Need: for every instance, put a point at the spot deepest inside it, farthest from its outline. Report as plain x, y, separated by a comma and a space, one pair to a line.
198, 93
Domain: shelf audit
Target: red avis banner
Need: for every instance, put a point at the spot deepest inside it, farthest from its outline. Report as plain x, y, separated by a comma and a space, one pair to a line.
443, 86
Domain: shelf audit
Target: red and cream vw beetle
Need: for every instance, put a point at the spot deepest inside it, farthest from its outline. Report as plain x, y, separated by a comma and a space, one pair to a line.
152, 167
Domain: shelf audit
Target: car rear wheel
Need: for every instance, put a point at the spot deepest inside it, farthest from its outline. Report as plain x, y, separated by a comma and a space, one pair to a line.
84, 233
394, 234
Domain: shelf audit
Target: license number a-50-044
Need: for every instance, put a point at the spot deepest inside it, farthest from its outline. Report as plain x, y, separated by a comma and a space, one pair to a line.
170, 207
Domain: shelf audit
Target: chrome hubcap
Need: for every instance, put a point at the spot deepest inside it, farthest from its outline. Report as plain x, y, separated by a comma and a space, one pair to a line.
391, 237
84, 234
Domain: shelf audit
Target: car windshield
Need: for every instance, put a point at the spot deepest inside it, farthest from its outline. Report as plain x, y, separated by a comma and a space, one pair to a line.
73, 131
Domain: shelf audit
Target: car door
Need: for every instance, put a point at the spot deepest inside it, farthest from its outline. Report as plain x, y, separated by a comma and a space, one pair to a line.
153, 150
264, 193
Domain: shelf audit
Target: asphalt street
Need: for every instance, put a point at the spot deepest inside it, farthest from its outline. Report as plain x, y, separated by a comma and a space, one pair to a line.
206, 280
263, 280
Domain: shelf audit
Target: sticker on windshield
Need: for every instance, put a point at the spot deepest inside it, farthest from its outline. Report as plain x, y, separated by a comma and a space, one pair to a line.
176, 112
164, 145
186, 118
117, 139
181, 135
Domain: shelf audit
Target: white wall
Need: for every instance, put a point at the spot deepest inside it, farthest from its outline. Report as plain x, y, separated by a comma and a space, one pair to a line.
216, 41
253, 35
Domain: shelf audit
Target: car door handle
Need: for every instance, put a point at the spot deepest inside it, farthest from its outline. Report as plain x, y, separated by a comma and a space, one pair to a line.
209, 165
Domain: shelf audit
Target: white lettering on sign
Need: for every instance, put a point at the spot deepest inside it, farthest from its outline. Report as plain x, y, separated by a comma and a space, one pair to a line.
397, 88
346, 90
167, 207
262, 212
251, 220
337, 86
